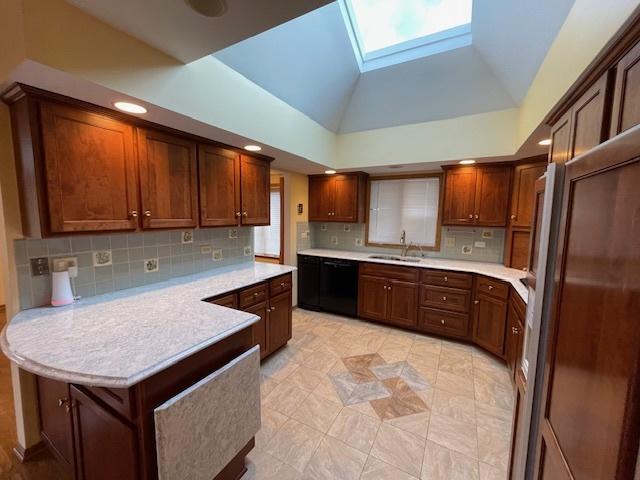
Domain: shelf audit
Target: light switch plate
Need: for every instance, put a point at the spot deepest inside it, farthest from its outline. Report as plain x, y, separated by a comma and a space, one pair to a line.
216, 255
467, 250
450, 241
248, 251
304, 234
151, 265
102, 258
334, 240
39, 266
487, 233
479, 244
346, 227
358, 242
323, 227
206, 249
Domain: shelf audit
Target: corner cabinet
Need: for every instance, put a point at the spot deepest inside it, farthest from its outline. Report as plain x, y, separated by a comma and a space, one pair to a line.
83, 168
476, 196
337, 198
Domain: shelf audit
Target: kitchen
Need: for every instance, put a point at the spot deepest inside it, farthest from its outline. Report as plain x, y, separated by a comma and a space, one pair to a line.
237, 279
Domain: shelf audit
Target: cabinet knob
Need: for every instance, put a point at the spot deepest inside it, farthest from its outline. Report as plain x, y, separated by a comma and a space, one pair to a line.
244, 214
64, 402
272, 309
442, 322
490, 287
475, 302
133, 213
513, 217
238, 214
255, 294
471, 215
444, 299
446, 279
283, 285
147, 213
389, 288
477, 216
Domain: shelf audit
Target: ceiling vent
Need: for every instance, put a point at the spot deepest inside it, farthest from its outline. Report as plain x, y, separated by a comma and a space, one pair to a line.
209, 8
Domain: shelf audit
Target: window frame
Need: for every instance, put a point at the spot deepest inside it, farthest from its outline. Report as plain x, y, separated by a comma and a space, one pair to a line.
439, 175
280, 258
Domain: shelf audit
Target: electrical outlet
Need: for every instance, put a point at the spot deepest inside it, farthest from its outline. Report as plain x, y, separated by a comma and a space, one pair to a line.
216, 255
233, 233
66, 264
487, 233
102, 258
248, 251
358, 242
151, 265
206, 249
187, 236
479, 244
334, 240
39, 266
346, 227
323, 227
450, 242
304, 234
467, 250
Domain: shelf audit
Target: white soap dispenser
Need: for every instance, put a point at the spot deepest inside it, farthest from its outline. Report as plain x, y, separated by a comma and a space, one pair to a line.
61, 293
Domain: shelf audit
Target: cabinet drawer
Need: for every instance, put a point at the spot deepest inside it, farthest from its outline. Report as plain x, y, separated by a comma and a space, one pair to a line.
407, 274
120, 399
445, 298
446, 323
442, 278
230, 300
280, 284
492, 287
252, 295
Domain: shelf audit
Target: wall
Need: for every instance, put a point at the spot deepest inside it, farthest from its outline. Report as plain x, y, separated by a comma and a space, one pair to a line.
345, 236
129, 253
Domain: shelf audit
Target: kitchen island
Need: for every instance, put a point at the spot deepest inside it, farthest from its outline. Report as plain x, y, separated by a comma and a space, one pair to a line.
120, 375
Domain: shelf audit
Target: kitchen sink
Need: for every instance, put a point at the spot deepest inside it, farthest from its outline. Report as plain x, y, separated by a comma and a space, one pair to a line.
396, 258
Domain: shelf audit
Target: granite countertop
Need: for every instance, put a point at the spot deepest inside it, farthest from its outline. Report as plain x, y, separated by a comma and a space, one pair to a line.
118, 339
494, 270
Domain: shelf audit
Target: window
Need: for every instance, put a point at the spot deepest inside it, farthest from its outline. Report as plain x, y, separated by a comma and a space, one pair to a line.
409, 204
267, 239
386, 32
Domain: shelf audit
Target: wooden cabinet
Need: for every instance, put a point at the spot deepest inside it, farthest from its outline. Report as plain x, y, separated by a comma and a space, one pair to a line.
388, 294
518, 445
87, 176
55, 419
534, 249
106, 446
260, 330
279, 321
515, 333
254, 191
477, 195
489, 318
337, 198
219, 175
168, 180
626, 95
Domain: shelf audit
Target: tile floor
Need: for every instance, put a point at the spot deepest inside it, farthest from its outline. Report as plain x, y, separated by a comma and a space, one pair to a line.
348, 399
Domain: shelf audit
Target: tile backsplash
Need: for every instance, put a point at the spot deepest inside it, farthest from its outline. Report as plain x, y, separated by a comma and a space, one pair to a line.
454, 240
113, 262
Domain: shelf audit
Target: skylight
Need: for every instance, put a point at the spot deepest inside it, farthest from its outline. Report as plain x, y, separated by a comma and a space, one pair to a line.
385, 32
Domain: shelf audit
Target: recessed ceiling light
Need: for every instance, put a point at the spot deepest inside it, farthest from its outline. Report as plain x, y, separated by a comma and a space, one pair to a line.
209, 8
329, 172
130, 107
467, 162
253, 148
545, 143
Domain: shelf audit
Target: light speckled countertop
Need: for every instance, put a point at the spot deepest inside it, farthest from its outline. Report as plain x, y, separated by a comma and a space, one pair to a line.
118, 339
494, 270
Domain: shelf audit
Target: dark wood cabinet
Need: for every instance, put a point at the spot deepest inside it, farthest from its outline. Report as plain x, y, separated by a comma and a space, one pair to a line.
372, 297
403, 303
534, 250
260, 330
559, 151
626, 95
254, 191
56, 427
515, 333
219, 174
490, 315
88, 171
279, 321
106, 446
337, 198
168, 180
477, 195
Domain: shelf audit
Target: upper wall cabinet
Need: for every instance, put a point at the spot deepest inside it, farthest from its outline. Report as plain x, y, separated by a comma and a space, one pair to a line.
83, 168
84, 179
477, 195
219, 171
337, 198
626, 96
168, 180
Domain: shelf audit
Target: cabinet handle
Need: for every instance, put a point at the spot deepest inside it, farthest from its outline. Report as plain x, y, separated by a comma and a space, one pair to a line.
475, 302
442, 322
513, 217
133, 213
64, 402
446, 279
147, 213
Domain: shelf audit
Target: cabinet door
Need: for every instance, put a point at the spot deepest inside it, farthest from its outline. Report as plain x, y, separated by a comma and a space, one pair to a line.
459, 196
626, 96
517, 249
345, 199
55, 418
489, 323
106, 447
321, 198
260, 331
168, 180
219, 174
279, 321
403, 303
492, 196
522, 193
590, 119
372, 297
90, 171
560, 140
534, 248
254, 191
512, 338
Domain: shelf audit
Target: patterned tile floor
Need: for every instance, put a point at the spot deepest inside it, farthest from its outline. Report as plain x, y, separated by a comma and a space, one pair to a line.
348, 399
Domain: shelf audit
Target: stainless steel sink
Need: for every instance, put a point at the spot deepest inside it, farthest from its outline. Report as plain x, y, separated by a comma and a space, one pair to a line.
395, 258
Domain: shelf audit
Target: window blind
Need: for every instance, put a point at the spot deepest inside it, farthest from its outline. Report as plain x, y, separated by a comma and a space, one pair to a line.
267, 239
409, 204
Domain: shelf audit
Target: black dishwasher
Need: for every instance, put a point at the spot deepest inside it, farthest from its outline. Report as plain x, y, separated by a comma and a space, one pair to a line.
309, 282
339, 286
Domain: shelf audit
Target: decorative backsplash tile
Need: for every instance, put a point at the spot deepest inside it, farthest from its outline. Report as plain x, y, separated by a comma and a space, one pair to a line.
114, 262
457, 243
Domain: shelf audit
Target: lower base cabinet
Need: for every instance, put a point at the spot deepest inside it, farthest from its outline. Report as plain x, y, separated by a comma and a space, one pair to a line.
279, 321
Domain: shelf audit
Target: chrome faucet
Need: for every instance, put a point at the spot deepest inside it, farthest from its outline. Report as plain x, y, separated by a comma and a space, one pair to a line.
405, 247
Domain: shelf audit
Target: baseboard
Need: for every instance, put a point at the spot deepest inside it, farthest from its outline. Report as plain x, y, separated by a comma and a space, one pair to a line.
25, 454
